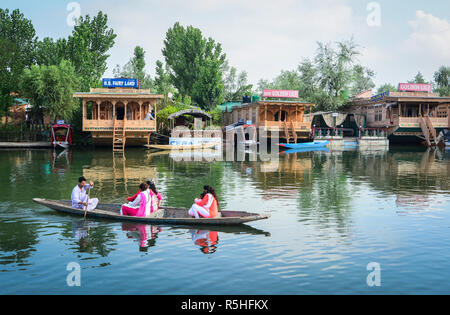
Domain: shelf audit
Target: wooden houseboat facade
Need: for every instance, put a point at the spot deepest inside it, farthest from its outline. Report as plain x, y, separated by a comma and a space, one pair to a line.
284, 117
120, 116
406, 116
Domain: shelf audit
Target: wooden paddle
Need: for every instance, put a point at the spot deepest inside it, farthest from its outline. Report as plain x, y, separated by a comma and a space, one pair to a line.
87, 201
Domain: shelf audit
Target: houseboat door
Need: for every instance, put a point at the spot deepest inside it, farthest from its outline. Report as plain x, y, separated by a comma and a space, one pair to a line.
120, 112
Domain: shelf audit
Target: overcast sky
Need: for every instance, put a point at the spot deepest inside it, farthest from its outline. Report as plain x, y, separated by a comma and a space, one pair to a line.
264, 37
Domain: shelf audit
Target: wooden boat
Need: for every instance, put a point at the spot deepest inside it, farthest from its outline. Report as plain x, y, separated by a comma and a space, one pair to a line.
315, 144
166, 215
181, 147
61, 135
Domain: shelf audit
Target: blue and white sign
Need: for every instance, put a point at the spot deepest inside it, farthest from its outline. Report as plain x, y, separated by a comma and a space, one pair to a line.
194, 141
117, 83
379, 97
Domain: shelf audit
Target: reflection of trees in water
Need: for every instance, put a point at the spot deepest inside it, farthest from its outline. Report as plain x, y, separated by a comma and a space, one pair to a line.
18, 236
327, 199
278, 177
17, 241
90, 237
183, 181
402, 172
316, 179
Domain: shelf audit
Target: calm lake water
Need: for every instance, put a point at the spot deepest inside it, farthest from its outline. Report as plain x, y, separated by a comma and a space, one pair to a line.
332, 213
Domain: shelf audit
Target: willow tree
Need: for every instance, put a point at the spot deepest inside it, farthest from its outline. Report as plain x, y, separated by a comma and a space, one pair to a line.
50, 89
235, 84
134, 68
387, 87
442, 81
336, 73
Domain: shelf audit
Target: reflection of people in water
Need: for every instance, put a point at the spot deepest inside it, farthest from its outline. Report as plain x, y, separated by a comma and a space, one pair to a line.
144, 233
207, 240
80, 231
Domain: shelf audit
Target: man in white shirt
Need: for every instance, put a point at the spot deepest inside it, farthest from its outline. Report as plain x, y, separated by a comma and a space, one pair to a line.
79, 196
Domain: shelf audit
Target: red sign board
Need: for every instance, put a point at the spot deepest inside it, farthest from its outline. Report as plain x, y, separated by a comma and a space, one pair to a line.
280, 93
415, 87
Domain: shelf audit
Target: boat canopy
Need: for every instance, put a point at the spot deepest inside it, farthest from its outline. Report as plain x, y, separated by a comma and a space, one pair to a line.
195, 112
57, 126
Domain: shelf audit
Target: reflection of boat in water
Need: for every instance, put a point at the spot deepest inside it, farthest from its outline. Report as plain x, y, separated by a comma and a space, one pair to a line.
315, 144
166, 215
61, 161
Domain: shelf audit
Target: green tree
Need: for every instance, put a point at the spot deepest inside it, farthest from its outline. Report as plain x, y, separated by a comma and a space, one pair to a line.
162, 81
309, 80
235, 85
87, 48
195, 64
328, 79
50, 88
6, 100
48, 52
442, 81
386, 87
418, 78
17, 45
336, 68
362, 79
134, 68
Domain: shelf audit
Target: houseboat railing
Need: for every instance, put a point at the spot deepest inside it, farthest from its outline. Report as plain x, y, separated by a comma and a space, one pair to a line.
380, 132
327, 132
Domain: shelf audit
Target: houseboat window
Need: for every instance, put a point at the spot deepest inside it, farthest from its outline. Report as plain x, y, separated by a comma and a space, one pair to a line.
280, 116
378, 114
442, 112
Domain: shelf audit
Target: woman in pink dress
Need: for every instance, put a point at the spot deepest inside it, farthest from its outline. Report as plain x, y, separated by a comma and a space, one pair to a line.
140, 206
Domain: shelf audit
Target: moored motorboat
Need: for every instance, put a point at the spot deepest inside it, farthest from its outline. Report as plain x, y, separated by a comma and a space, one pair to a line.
301, 150
315, 144
166, 215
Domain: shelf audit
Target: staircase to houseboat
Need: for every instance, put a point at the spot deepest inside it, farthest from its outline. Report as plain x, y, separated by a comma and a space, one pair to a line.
290, 133
429, 133
119, 136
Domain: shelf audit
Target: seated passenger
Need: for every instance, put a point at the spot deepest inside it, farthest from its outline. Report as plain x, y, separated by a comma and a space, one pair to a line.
207, 207
140, 206
155, 197
80, 198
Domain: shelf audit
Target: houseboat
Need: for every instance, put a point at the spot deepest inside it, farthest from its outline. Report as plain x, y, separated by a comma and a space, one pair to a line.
120, 115
407, 116
285, 118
